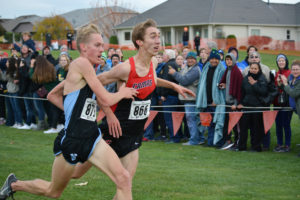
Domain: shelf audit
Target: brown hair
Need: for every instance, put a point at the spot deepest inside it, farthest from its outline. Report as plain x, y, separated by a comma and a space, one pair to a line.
201, 49
84, 33
139, 31
44, 71
295, 62
258, 64
12, 70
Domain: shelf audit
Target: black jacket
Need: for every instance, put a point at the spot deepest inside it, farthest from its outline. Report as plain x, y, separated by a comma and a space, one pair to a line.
252, 94
25, 83
164, 75
51, 59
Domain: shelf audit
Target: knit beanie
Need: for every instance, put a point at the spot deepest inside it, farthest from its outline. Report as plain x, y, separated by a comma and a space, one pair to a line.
214, 54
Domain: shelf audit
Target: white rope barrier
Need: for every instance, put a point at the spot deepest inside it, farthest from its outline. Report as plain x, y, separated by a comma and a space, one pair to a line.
18, 97
182, 106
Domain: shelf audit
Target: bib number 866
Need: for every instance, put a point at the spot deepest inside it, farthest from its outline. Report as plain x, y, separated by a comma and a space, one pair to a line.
139, 109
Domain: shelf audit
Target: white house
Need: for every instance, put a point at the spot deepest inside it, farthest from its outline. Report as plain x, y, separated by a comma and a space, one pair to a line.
215, 19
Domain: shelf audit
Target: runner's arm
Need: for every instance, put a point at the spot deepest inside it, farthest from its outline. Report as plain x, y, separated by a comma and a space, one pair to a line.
117, 73
113, 122
181, 90
106, 98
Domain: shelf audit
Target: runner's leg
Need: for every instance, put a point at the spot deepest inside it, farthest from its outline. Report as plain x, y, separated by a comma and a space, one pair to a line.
105, 159
61, 174
81, 169
130, 162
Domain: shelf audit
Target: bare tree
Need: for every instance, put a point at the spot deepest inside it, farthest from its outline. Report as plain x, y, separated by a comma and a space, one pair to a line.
108, 14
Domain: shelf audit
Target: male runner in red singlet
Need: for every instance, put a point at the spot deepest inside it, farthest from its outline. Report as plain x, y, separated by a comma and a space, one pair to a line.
124, 125
81, 139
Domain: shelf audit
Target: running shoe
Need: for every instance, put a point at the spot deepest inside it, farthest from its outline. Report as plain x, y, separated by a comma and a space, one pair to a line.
6, 190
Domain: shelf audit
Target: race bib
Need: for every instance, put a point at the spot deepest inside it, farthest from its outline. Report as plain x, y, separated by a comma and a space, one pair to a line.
89, 110
139, 109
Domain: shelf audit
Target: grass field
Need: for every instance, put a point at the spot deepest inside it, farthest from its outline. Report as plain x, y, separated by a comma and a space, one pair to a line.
167, 171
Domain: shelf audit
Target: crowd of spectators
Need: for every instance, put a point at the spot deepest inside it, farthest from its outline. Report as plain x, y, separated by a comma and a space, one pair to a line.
220, 82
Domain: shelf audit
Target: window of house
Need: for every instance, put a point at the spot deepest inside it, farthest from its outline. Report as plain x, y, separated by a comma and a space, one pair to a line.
127, 35
205, 32
219, 33
288, 34
255, 32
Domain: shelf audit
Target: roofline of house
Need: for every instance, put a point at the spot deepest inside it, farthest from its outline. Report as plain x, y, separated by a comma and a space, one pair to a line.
217, 24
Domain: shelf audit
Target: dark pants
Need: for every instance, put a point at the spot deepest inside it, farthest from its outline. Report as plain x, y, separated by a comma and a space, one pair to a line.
254, 122
159, 123
52, 113
283, 122
70, 45
10, 118
2, 106
236, 128
171, 100
197, 49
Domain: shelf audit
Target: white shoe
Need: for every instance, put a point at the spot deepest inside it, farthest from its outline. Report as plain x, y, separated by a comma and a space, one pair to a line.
33, 126
51, 130
60, 127
24, 127
16, 125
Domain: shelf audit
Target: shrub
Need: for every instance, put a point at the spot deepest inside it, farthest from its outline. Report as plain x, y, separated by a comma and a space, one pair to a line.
9, 37
113, 39
259, 41
231, 41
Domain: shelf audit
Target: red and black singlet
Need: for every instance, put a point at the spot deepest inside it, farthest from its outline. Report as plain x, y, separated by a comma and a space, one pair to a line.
133, 115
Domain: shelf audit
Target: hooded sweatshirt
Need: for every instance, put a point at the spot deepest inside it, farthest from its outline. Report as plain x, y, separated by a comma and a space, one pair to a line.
233, 79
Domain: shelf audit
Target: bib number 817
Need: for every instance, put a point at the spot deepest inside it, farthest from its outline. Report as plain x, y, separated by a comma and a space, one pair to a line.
89, 110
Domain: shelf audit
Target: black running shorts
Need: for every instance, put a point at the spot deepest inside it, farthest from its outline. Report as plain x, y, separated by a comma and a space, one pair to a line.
74, 149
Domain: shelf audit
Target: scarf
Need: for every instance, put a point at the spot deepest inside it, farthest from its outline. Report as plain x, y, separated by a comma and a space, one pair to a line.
218, 98
236, 79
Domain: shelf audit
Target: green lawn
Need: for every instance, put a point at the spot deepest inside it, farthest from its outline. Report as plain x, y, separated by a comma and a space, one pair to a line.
165, 171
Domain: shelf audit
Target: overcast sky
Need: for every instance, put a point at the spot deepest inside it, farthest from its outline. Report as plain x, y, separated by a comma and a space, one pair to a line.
44, 8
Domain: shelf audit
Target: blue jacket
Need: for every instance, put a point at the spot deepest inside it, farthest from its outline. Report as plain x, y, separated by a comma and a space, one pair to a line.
29, 43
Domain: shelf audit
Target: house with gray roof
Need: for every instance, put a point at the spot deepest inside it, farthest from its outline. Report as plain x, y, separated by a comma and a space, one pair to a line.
100, 16
77, 18
215, 19
20, 24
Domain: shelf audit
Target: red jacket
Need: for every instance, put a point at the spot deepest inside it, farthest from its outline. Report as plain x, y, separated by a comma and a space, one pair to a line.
286, 73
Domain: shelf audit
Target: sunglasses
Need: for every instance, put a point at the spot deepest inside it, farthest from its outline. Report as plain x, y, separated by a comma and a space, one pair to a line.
295, 70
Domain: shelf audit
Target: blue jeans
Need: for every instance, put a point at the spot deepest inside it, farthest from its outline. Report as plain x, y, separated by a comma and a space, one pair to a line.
191, 119
10, 119
211, 128
171, 100
283, 121
39, 106
30, 117
16, 107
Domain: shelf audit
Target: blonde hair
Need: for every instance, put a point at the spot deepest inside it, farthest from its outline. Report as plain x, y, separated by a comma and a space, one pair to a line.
84, 33
66, 68
139, 31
